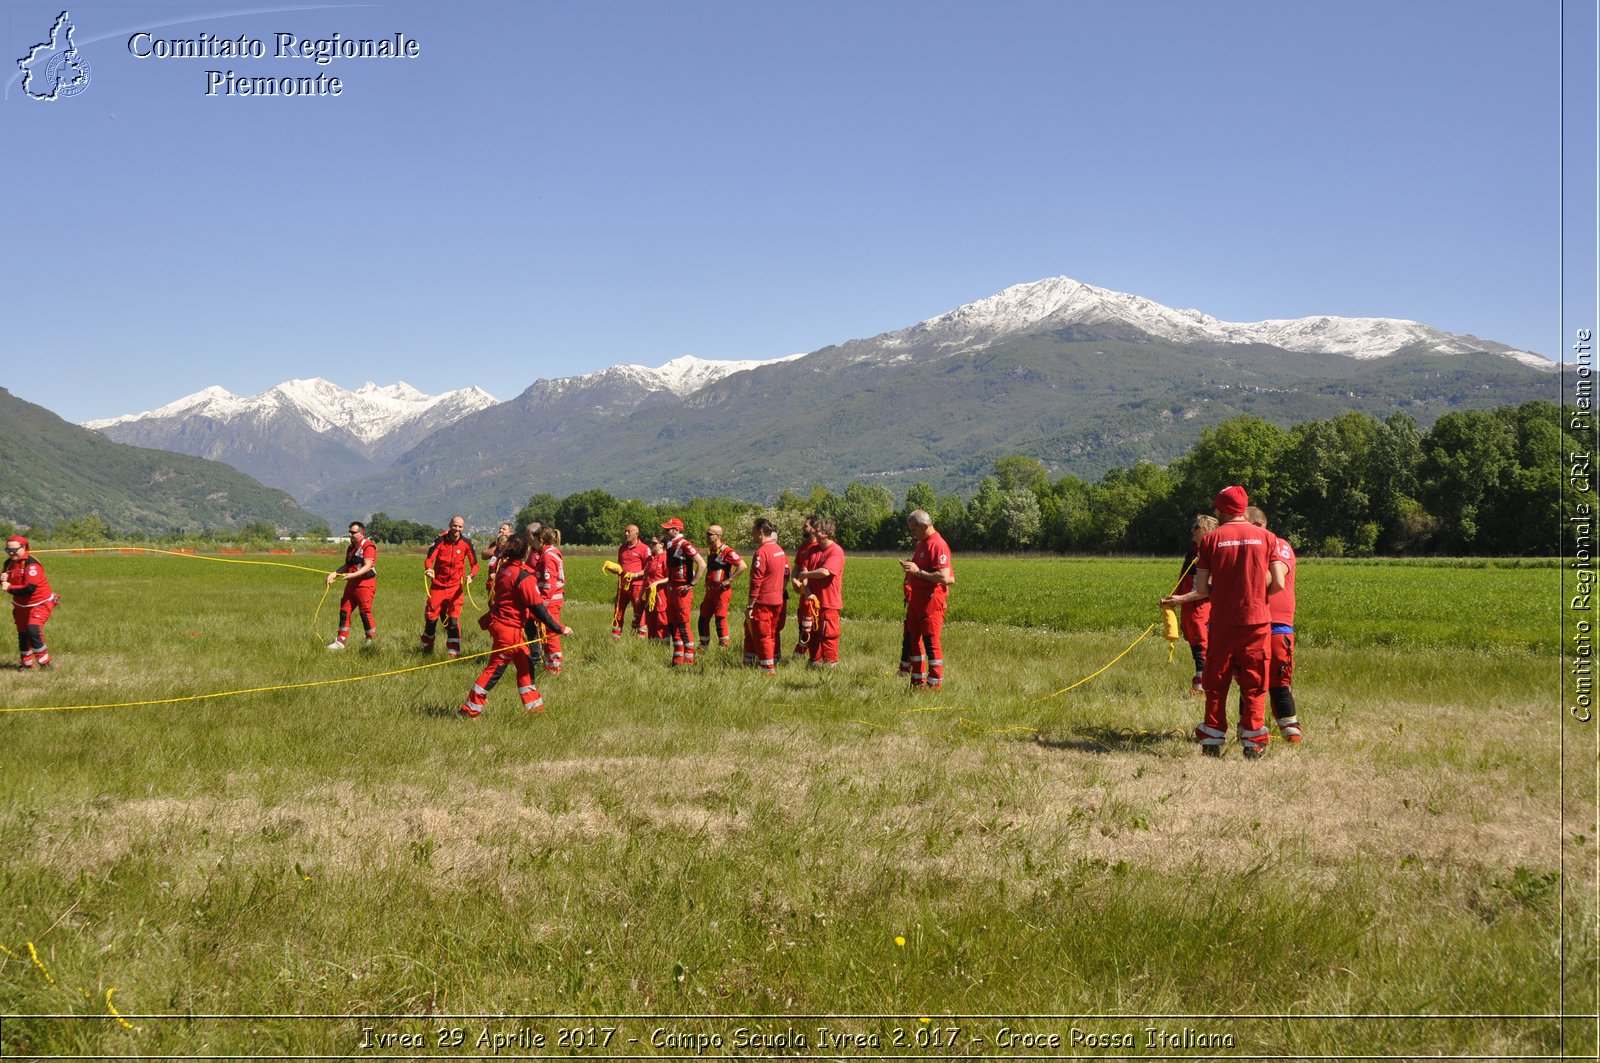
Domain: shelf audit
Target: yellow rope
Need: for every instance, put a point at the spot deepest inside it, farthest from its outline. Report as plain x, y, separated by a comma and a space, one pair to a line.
180, 553
269, 689
115, 1014
1108, 664
326, 587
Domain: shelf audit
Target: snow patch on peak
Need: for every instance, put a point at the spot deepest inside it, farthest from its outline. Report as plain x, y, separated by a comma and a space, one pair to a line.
369, 413
213, 401
1061, 301
687, 374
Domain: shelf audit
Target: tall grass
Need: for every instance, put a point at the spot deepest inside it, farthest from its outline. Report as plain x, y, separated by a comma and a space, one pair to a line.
719, 843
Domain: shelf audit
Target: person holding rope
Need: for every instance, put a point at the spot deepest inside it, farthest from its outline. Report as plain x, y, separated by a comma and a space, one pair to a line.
723, 565
929, 576
1280, 663
632, 556
32, 602
517, 606
360, 575
446, 566
824, 582
655, 581
805, 607
1236, 569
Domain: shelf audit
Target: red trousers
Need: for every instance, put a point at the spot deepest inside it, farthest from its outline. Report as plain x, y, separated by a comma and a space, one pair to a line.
628, 592
1236, 654
1280, 672
357, 596
921, 652
29, 620
761, 629
506, 651
552, 636
824, 647
680, 604
714, 608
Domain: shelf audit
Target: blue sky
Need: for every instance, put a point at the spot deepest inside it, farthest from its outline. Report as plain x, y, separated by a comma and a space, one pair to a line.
556, 186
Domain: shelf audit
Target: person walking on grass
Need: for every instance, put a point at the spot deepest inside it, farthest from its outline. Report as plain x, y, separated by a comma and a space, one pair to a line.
517, 605
1280, 663
450, 565
929, 576
1235, 568
32, 602
360, 575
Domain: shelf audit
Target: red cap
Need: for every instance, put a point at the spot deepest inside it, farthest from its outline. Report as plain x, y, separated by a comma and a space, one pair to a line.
17, 539
673, 522
1231, 502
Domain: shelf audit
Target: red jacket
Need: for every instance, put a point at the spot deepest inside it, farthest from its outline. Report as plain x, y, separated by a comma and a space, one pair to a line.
450, 561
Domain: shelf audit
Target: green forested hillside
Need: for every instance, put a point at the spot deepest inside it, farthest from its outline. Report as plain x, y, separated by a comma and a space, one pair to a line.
52, 471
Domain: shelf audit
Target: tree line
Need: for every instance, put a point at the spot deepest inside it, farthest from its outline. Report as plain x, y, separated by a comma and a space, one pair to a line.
1484, 483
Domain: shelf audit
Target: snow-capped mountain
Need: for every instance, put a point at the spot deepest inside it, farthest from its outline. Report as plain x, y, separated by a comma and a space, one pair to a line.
369, 413
302, 434
1061, 302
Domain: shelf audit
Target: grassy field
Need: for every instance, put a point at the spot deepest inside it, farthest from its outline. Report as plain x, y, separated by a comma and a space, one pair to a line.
817, 865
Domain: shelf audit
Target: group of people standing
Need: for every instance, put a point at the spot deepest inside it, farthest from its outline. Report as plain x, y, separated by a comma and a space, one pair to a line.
1236, 594
1237, 600
658, 583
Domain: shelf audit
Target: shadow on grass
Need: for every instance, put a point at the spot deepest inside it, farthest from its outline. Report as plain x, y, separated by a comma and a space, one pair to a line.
1112, 740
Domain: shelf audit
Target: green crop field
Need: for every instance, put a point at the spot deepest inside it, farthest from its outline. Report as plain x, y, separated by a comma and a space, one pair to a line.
716, 863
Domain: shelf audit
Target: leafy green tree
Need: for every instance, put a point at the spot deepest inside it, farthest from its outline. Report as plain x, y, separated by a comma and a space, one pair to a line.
1065, 514
983, 515
1020, 473
89, 528
863, 514
541, 507
1018, 521
1467, 457
1403, 522
1323, 484
589, 518
1242, 450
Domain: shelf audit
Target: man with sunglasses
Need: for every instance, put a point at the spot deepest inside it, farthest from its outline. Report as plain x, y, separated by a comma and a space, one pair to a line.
32, 601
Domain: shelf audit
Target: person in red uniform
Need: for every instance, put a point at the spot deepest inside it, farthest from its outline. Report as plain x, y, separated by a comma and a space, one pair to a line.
517, 604
1195, 616
1280, 665
655, 581
723, 565
805, 607
769, 579
929, 575
632, 556
824, 580
360, 575
685, 566
32, 602
552, 572
491, 557
1235, 568
450, 565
